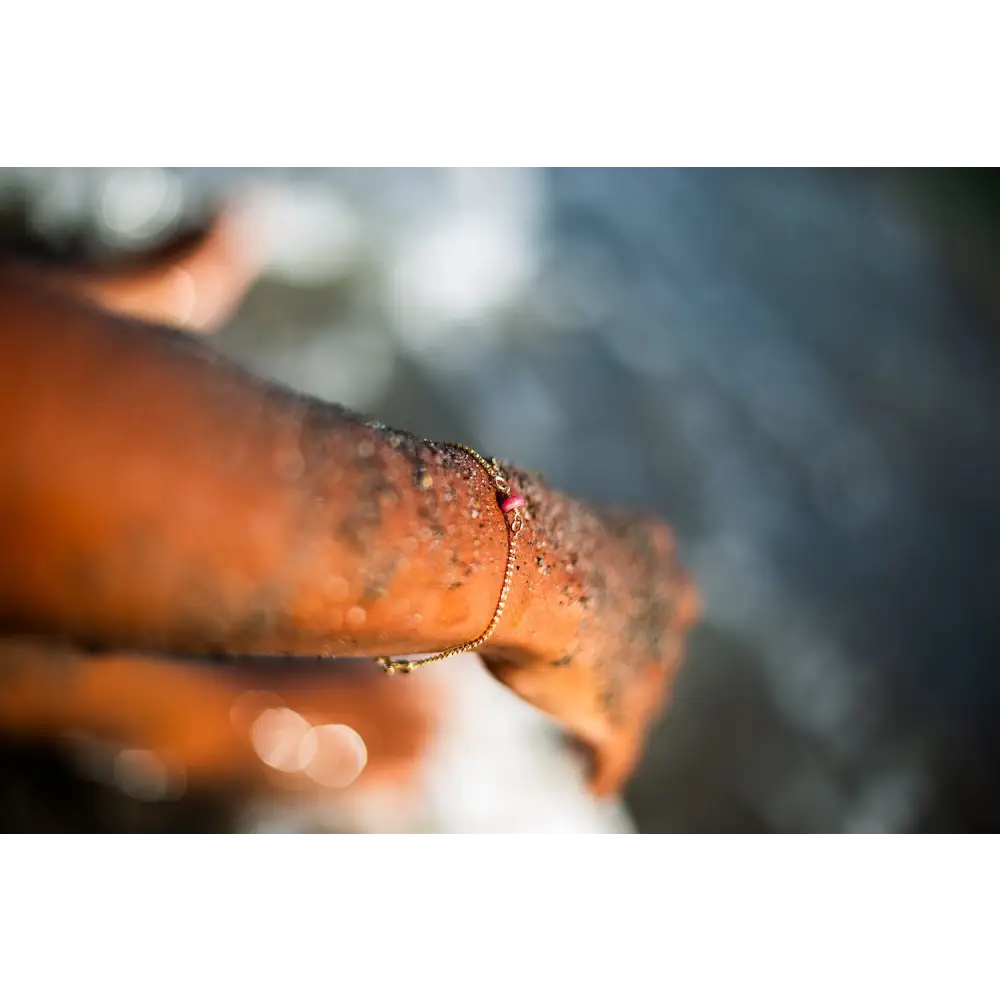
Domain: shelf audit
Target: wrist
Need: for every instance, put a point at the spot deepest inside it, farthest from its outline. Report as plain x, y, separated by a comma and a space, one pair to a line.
412, 538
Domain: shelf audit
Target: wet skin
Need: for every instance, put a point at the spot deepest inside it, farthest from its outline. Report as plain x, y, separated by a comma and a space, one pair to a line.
155, 497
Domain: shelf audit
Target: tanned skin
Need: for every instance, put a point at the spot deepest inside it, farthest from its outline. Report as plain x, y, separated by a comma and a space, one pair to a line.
156, 498
195, 284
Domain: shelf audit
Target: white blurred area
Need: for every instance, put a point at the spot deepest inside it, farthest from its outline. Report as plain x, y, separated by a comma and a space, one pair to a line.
104, 209
441, 257
494, 765
463, 258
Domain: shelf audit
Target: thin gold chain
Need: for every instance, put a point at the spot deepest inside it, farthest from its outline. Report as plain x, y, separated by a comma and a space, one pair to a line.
514, 527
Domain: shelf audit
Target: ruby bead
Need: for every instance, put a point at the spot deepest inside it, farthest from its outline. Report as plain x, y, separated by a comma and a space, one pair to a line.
512, 503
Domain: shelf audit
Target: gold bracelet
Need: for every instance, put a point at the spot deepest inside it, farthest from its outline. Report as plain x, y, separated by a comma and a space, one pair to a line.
511, 504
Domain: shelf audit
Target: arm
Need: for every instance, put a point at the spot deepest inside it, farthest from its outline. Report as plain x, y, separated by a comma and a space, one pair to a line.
155, 496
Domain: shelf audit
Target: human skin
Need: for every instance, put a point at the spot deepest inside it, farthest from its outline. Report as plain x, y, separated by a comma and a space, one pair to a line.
194, 285
154, 497
199, 718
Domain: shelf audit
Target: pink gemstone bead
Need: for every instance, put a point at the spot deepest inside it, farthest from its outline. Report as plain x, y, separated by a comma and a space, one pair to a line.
512, 503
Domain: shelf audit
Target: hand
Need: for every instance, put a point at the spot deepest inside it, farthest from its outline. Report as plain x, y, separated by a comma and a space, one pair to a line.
301, 529
596, 626
162, 723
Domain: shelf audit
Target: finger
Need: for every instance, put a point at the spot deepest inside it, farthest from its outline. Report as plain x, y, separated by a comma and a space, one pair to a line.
616, 751
197, 287
607, 707
306, 727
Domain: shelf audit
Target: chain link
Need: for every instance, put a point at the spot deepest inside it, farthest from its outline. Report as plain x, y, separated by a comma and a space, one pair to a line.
514, 528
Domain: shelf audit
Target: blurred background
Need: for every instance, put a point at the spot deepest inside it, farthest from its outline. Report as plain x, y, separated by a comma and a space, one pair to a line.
798, 370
